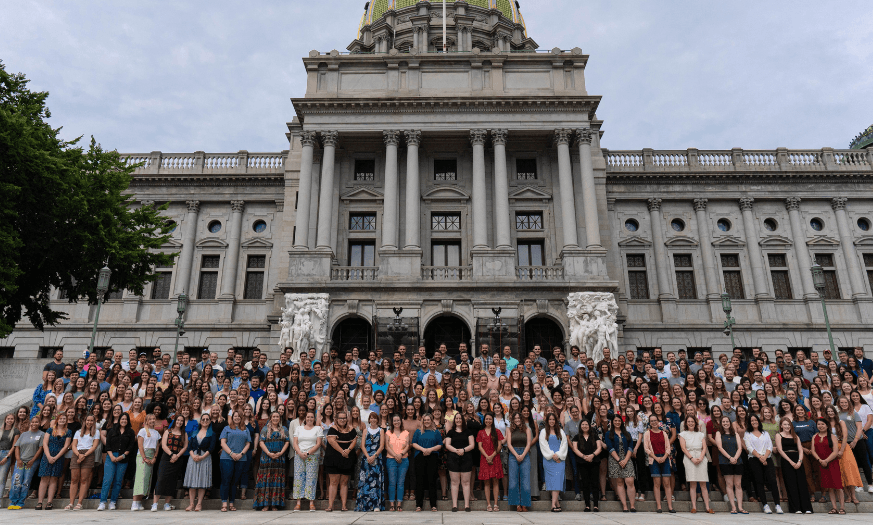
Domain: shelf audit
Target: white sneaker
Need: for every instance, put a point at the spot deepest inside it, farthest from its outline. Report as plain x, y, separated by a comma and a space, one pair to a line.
726, 499
154, 507
870, 489
767, 509
102, 506
798, 512
134, 506
859, 489
111, 505
167, 506
809, 512
778, 509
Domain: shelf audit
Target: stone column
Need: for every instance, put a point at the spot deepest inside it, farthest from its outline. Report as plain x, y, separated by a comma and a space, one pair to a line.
304, 191
568, 202
859, 289
231, 260
710, 271
325, 198
801, 250
480, 197
755, 257
392, 191
413, 191
501, 191
665, 289
589, 191
186, 258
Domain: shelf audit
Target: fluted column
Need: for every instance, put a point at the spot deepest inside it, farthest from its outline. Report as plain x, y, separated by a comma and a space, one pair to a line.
501, 190
231, 260
304, 191
325, 198
565, 179
392, 191
755, 257
480, 196
589, 190
801, 250
710, 272
665, 289
186, 258
848, 243
413, 191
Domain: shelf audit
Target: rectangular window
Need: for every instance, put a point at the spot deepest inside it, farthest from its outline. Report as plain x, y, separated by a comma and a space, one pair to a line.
526, 169
685, 276
446, 254
530, 253
7, 352
115, 295
529, 221
48, 352
365, 170
832, 284
733, 277
868, 263
638, 282
208, 279
445, 169
779, 273
161, 285
254, 287
362, 222
445, 222
362, 254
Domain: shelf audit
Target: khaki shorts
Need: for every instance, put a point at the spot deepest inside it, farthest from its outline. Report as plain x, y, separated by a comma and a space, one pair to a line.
87, 462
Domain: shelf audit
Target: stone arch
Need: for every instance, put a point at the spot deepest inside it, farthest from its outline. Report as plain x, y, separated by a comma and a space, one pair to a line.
349, 331
543, 329
449, 328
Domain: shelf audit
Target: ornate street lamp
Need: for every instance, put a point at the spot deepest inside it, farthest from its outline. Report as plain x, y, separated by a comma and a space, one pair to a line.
181, 306
398, 327
102, 288
497, 325
818, 280
729, 321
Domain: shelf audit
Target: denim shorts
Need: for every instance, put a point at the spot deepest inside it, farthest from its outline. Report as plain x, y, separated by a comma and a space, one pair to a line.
660, 470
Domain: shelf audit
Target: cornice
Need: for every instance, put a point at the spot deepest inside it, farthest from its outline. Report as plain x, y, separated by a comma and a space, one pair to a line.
208, 180
733, 177
486, 104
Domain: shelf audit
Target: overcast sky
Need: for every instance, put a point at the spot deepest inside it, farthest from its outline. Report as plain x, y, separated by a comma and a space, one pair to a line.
217, 76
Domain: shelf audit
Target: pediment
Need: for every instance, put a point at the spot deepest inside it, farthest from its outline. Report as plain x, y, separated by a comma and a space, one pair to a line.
680, 241
822, 240
257, 242
362, 195
211, 242
867, 240
775, 240
172, 244
446, 193
728, 241
635, 241
529, 193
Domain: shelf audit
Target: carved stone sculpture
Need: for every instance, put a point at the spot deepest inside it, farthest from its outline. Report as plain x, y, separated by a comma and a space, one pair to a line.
593, 324
304, 323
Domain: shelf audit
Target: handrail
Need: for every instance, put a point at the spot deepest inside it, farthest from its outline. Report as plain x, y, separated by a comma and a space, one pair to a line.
780, 159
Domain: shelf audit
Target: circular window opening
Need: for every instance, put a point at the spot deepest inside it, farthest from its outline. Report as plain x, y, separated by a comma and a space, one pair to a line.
214, 226
771, 224
678, 224
864, 224
631, 225
259, 226
171, 226
724, 225
817, 224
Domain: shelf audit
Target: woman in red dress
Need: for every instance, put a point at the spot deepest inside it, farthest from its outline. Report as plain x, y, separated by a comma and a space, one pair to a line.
825, 448
489, 442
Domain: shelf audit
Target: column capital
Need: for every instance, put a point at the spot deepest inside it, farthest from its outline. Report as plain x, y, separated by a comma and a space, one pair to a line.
585, 135
746, 203
839, 203
330, 138
237, 206
147, 203
654, 204
391, 137
193, 206
563, 136
700, 204
413, 137
308, 138
792, 203
478, 136
498, 136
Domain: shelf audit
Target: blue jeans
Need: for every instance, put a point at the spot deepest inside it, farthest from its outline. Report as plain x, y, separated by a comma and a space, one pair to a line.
21, 478
244, 474
572, 458
4, 469
113, 477
396, 478
519, 479
869, 434
231, 472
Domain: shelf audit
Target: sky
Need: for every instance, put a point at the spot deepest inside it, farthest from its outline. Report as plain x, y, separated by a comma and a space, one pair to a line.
218, 76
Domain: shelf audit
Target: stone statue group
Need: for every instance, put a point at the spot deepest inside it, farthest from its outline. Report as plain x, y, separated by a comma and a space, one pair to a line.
593, 326
304, 323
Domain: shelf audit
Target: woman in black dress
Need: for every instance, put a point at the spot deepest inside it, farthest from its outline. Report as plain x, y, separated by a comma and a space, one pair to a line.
459, 444
340, 459
172, 466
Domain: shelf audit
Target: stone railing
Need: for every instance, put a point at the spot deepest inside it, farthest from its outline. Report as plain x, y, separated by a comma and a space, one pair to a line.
354, 273
446, 273
199, 162
540, 273
780, 159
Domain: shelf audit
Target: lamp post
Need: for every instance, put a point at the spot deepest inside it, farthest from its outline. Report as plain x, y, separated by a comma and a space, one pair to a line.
729, 321
818, 280
181, 306
102, 288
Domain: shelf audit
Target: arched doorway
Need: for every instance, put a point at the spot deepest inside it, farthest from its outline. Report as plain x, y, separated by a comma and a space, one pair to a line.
544, 332
448, 330
350, 333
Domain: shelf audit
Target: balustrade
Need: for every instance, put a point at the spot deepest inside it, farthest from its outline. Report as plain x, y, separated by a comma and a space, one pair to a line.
354, 273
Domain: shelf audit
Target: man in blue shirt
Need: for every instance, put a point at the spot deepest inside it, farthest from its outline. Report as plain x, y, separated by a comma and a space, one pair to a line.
864, 363
380, 385
256, 392
511, 362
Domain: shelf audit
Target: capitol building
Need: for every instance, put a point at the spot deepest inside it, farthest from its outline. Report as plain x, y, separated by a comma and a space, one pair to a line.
451, 187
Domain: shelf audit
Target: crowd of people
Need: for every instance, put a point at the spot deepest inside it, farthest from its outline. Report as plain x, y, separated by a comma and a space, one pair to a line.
408, 426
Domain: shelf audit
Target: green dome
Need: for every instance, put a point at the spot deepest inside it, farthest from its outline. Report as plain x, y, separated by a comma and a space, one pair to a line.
377, 8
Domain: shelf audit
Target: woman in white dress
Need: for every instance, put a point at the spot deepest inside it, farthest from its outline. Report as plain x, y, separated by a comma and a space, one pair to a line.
693, 444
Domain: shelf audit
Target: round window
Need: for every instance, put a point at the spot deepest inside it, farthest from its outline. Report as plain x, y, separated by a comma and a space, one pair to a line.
259, 226
817, 224
631, 225
678, 224
724, 225
864, 224
771, 225
214, 226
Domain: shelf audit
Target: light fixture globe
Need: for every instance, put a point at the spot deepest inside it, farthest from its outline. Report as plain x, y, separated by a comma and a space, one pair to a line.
182, 304
726, 303
818, 279
103, 280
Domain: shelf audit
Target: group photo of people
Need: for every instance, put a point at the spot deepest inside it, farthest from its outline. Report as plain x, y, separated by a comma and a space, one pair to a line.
369, 431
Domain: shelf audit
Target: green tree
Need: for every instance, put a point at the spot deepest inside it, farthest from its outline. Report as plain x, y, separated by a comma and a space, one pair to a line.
64, 212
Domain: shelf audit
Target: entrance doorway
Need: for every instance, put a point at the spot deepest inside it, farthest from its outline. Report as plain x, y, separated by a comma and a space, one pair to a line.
448, 330
544, 332
350, 333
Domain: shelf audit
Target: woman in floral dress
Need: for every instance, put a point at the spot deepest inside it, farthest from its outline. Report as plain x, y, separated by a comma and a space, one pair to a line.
371, 477
270, 487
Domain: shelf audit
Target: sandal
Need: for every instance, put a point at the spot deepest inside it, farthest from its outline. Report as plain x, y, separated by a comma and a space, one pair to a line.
49, 506
232, 508
189, 508
198, 508
296, 507
311, 506
417, 509
329, 509
433, 509
224, 508
841, 512
741, 511
69, 507
38, 506
78, 506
